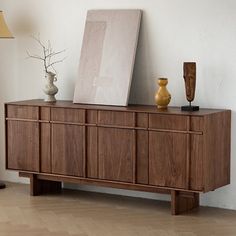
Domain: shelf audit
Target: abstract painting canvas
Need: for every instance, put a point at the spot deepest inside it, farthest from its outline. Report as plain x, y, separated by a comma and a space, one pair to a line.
107, 57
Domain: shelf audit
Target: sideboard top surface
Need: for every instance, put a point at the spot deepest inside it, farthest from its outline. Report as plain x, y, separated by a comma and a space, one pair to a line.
129, 108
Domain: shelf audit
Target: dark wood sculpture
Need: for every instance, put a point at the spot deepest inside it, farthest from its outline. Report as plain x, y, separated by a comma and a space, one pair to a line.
190, 85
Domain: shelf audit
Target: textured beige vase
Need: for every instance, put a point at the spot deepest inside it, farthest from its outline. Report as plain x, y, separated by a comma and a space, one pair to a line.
50, 89
162, 96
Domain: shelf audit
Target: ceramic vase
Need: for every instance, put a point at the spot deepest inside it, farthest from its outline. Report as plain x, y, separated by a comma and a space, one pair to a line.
162, 96
50, 89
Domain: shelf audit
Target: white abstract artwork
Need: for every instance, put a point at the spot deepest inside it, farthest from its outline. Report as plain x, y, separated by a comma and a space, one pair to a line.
107, 57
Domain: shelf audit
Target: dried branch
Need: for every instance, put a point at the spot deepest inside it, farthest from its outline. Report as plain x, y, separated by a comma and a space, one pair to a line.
48, 54
34, 56
55, 62
38, 40
55, 53
54, 69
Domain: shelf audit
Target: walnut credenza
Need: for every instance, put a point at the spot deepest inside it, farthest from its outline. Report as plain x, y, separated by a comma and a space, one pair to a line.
134, 147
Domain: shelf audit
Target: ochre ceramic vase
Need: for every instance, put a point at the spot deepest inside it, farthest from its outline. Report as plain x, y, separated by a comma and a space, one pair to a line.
162, 96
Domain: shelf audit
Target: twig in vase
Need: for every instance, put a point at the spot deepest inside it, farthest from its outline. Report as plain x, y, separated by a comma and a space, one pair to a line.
48, 55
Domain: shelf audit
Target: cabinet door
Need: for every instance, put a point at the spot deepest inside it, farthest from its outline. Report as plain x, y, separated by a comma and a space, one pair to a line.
115, 153
23, 145
45, 147
196, 163
168, 159
67, 149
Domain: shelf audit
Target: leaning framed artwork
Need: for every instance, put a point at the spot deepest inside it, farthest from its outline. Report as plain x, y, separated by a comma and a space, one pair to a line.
107, 57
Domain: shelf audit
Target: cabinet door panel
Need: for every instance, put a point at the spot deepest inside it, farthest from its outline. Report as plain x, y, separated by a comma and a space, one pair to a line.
196, 164
23, 145
168, 159
67, 149
142, 156
92, 155
45, 129
115, 154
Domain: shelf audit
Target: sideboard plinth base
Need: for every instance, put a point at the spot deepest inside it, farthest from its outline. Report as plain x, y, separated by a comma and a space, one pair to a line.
182, 202
39, 186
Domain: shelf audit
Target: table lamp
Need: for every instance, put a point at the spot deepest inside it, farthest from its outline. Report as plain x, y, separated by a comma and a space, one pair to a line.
4, 34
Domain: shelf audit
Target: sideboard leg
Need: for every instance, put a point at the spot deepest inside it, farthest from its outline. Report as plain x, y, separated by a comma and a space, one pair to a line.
38, 186
183, 201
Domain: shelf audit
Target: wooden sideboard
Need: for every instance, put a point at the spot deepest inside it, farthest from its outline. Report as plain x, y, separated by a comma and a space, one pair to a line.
135, 147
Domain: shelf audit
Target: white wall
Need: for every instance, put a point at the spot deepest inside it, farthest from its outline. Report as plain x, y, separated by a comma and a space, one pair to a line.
172, 31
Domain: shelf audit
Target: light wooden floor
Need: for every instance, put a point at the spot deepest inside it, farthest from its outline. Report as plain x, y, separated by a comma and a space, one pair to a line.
92, 214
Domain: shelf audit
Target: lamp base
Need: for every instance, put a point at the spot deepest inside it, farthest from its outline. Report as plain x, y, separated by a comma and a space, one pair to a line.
2, 185
190, 108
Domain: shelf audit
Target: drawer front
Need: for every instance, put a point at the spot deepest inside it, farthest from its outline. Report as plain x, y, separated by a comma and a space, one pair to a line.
45, 113
91, 117
22, 112
116, 118
167, 122
197, 123
142, 120
68, 115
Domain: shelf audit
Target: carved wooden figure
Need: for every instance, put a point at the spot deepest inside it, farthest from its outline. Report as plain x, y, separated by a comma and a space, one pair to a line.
190, 79
190, 85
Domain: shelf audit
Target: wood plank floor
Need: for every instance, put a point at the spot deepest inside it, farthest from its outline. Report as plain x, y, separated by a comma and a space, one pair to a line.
92, 214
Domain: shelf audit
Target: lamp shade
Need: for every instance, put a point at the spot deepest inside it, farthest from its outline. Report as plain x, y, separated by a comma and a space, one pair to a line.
4, 31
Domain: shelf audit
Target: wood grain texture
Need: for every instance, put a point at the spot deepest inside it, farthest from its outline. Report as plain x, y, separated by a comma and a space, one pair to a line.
115, 154
38, 186
92, 117
167, 122
22, 112
23, 145
190, 80
196, 162
68, 115
67, 149
137, 147
116, 118
92, 152
45, 113
142, 120
216, 159
168, 159
183, 202
45, 148
130, 108
142, 157
101, 182
196, 123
